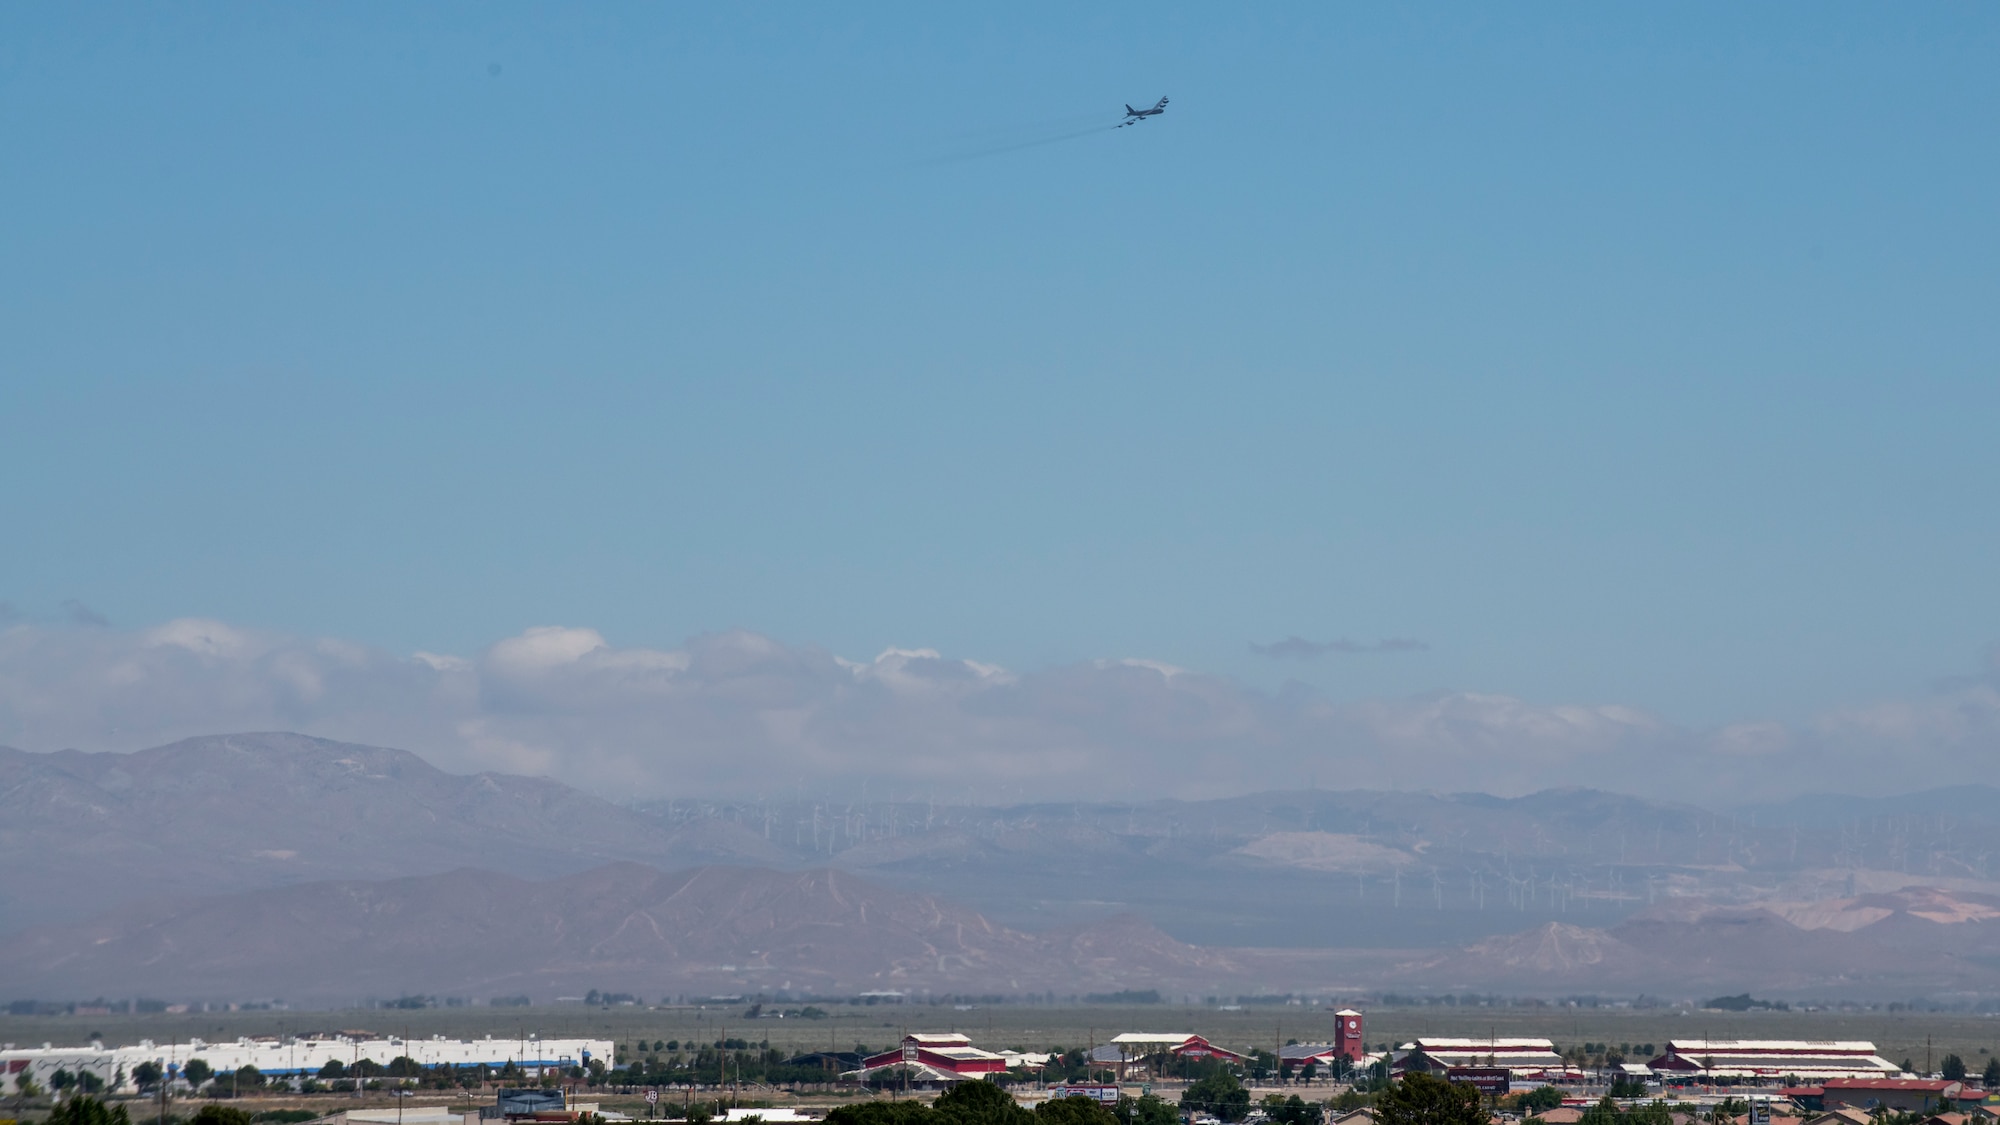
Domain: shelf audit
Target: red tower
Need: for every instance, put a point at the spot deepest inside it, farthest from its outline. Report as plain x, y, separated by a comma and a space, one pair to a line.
1347, 1035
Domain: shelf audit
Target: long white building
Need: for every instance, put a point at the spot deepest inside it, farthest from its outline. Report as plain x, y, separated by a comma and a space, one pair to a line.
1809, 1060
287, 1058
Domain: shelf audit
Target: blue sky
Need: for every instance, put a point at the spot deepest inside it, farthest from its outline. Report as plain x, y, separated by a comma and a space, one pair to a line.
1635, 355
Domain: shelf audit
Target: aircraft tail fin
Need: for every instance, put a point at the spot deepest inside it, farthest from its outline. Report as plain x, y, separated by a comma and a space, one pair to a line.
1129, 111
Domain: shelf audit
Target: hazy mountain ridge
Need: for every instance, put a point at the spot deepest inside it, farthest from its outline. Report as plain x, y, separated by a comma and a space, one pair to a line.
628, 926
240, 812
1554, 891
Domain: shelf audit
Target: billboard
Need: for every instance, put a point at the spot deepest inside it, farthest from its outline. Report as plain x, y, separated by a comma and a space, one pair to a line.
1493, 1080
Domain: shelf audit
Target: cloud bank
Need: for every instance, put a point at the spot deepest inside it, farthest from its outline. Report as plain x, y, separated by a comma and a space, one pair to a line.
740, 714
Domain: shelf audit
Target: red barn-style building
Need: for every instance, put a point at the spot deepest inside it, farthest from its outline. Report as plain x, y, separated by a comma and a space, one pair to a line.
1132, 1051
934, 1056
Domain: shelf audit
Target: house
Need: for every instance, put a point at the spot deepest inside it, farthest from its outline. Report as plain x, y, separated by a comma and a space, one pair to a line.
1847, 1115
1904, 1095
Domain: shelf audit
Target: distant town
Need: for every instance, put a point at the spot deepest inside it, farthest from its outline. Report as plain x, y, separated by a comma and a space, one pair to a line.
1144, 1076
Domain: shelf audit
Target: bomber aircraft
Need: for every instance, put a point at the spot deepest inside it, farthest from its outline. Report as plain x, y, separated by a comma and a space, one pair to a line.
1134, 116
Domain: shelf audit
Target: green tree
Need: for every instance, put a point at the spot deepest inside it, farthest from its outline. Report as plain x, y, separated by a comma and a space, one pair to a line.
403, 1066
1652, 1113
335, 1069
1991, 1079
24, 1085
212, 1114
1952, 1069
87, 1111
248, 1077
1625, 1086
980, 1103
1538, 1099
1219, 1094
883, 1113
147, 1074
1075, 1111
1147, 1109
61, 1080
197, 1072
87, 1082
1605, 1112
1293, 1110
1420, 1099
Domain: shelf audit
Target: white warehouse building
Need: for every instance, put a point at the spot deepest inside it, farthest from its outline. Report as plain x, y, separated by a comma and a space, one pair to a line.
287, 1058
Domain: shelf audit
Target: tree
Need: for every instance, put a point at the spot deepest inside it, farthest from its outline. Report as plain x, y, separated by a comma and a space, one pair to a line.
87, 1111
1652, 1113
147, 1074
197, 1072
1220, 1095
1293, 1110
61, 1080
1074, 1111
1952, 1069
883, 1113
1147, 1109
212, 1114
249, 1076
1420, 1099
403, 1066
87, 1082
1538, 1099
1625, 1086
1605, 1112
980, 1103
24, 1085
334, 1069
1991, 1079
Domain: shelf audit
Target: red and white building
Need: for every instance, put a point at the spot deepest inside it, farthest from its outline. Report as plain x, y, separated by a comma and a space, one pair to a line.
1526, 1060
1810, 1060
1346, 1045
933, 1056
1136, 1051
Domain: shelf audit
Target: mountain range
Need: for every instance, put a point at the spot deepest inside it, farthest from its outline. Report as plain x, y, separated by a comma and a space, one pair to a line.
225, 862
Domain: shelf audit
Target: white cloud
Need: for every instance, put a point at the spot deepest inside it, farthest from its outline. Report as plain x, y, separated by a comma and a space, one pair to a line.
740, 713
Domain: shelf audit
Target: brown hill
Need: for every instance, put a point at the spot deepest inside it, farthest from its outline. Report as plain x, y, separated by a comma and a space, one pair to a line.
84, 832
622, 927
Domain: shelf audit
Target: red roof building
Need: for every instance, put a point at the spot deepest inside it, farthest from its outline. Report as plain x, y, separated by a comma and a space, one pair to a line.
1910, 1095
1806, 1059
934, 1057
